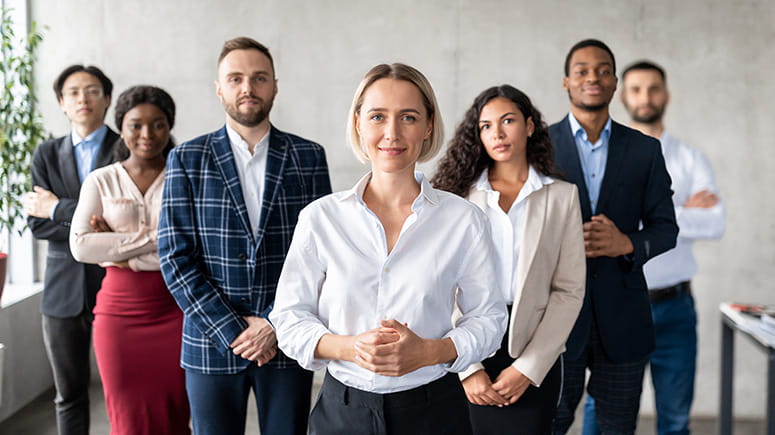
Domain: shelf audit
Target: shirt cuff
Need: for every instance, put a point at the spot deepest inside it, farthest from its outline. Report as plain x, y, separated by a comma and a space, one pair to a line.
53, 211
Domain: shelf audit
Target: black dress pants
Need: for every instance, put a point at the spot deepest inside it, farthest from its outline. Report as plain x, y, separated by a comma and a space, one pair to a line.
68, 344
531, 414
435, 408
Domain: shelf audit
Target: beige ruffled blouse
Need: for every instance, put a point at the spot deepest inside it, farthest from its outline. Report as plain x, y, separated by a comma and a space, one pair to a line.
111, 193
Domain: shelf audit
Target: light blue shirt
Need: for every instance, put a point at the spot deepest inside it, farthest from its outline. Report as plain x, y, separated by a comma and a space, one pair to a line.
86, 150
593, 157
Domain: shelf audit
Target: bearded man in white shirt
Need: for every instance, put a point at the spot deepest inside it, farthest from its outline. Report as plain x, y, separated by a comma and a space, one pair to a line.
700, 215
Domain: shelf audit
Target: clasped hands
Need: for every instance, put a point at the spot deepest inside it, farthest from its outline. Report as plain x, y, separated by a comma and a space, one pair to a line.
603, 239
506, 390
257, 342
392, 349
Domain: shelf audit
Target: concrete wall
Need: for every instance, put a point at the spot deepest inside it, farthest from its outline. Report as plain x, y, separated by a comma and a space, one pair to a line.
717, 54
25, 370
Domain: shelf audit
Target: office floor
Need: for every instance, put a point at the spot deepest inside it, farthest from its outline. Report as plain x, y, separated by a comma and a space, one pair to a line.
38, 418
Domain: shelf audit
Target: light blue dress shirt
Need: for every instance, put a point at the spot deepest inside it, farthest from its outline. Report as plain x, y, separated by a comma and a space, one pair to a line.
86, 150
593, 157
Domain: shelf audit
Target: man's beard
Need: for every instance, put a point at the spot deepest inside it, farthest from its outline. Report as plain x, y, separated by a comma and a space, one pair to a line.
252, 118
651, 117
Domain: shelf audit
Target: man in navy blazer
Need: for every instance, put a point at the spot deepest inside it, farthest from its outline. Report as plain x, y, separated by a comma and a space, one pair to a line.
628, 215
230, 204
59, 166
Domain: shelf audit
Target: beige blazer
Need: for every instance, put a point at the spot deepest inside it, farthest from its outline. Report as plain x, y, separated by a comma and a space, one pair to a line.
551, 274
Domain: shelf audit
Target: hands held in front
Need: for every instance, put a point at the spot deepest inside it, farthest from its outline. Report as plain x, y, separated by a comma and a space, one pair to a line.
257, 342
39, 202
702, 199
391, 350
603, 239
506, 390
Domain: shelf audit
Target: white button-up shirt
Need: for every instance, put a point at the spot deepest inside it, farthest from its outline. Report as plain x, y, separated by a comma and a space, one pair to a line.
251, 169
508, 228
338, 278
690, 172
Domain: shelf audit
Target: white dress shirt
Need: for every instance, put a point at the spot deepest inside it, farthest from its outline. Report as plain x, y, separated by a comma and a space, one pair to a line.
338, 278
508, 228
251, 169
690, 172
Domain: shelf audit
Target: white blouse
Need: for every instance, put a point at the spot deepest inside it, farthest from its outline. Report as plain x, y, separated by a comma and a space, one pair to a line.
111, 193
338, 278
508, 228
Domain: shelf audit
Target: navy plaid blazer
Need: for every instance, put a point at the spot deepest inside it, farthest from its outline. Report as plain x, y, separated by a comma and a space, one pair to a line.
215, 267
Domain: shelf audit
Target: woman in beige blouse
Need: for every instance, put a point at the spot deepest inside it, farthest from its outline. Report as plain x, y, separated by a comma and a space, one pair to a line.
137, 325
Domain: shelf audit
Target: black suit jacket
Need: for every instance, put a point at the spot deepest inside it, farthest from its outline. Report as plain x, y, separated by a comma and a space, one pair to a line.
70, 287
635, 190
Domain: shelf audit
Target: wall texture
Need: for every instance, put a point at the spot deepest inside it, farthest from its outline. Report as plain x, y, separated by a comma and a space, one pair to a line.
717, 53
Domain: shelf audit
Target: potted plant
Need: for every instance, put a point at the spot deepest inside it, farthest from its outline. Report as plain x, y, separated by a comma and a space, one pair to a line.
20, 127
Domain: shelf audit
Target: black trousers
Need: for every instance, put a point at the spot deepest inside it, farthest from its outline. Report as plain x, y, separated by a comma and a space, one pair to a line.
436, 408
68, 344
531, 414
616, 388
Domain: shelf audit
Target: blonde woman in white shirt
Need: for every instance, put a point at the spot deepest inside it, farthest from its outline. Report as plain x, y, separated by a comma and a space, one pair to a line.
368, 286
501, 159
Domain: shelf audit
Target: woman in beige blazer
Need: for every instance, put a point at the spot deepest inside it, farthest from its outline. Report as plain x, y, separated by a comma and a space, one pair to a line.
501, 159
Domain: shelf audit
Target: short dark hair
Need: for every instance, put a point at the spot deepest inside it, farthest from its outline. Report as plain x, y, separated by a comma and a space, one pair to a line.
646, 65
135, 96
589, 43
107, 85
245, 43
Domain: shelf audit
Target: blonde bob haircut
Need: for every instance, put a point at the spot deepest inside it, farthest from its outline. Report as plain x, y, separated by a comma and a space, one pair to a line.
397, 71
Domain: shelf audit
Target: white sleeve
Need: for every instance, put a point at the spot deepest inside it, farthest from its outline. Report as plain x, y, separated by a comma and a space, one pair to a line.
701, 223
295, 313
478, 332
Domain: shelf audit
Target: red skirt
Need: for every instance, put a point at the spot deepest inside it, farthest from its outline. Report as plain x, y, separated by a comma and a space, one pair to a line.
137, 336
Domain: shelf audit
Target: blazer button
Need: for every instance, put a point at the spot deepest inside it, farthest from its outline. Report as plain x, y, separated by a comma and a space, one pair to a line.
594, 275
242, 256
244, 300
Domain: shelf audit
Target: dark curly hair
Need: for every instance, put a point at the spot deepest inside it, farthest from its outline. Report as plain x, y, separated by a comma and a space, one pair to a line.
135, 96
466, 157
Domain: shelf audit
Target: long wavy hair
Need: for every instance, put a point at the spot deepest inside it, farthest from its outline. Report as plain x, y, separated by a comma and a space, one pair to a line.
466, 157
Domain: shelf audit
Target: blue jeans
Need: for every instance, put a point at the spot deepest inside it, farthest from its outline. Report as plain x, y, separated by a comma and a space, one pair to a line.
672, 364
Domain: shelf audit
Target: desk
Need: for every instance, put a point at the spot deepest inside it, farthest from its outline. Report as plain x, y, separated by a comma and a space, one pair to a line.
751, 327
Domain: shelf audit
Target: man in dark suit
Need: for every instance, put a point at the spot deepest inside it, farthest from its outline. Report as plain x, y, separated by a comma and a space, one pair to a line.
230, 204
59, 166
628, 214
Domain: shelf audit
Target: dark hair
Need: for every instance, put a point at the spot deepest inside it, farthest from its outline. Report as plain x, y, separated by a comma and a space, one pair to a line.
135, 96
466, 157
107, 85
645, 65
589, 43
244, 43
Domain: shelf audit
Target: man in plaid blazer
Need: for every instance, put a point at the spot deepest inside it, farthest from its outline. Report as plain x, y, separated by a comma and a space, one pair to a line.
230, 204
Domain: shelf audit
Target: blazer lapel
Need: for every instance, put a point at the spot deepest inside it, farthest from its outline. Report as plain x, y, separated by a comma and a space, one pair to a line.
105, 153
275, 166
68, 167
535, 214
568, 160
224, 161
613, 165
